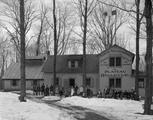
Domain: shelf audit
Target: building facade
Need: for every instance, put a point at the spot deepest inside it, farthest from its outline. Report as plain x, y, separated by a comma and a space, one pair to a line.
115, 69
110, 69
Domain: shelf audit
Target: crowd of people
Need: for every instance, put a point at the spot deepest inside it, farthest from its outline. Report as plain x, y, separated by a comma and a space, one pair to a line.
61, 91
118, 94
83, 91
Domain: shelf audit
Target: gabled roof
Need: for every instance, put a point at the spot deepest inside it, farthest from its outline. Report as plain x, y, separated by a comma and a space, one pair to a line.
39, 57
62, 64
118, 47
33, 71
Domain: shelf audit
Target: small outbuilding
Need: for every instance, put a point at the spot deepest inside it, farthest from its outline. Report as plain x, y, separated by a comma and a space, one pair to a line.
34, 76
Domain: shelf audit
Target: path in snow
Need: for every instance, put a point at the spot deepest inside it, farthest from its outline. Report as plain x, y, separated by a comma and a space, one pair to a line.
80, 113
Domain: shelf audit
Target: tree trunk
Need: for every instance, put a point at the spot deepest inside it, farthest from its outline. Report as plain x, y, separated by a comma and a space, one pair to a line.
84, 42
2, 72
55, 42
148, 57
137, 48
38, 42
22, 53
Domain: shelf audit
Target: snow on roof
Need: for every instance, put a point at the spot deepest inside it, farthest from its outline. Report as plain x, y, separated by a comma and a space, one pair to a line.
33, 71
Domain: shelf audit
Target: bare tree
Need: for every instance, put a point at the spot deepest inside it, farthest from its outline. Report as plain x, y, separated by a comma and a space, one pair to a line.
42, 19
137, 47
22, 32
148, 57
85, 8
65, 24
12, 23
4, 52
104, 24
55, 41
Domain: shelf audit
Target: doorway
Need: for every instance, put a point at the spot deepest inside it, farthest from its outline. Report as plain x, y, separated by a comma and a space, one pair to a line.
72, 82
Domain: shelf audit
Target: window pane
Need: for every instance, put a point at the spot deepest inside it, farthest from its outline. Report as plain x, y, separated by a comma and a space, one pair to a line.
35, 83
14, 83
88, 81
72, 64
57, 81
112, 61
118, 82
118, 61
141, 83
111, 83
69, 64
76, 64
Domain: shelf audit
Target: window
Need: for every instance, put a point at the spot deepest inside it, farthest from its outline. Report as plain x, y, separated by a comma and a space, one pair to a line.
141, 83
118, 61
57, 81
35, 83
88, 82
115, 82
112, 61
118, 83
14, 82
111, 83
115, 61
73, 64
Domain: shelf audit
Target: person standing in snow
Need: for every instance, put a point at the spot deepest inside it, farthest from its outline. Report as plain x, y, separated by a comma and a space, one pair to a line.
51, 89
38, 90
47, 90
56, 90
75, 90
42, 89
81, 90
72, 91
99, 94
34, 90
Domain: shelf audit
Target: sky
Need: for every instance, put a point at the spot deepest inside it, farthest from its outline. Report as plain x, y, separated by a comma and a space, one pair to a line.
125, 29
129, 35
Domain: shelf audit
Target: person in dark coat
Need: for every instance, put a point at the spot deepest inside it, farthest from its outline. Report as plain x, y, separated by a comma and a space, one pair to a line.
51, 89
76, 90
99, 94
61, 92
42, 89
47, 91
38, 90
34, 90
88, 92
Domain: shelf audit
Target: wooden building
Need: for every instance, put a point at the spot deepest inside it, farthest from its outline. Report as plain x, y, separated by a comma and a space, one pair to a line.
110, 69
11, 78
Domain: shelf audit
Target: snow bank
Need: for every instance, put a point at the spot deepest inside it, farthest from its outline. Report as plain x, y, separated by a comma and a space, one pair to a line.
51, 98
12, 109
120, 109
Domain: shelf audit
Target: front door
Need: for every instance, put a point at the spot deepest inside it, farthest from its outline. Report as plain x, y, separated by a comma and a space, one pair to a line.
72, 82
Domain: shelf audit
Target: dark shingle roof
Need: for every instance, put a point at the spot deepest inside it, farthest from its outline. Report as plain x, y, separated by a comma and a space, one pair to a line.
62, 64
33, 71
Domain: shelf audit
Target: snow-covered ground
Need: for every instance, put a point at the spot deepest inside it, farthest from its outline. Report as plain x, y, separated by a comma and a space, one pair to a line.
119, 109
12, 109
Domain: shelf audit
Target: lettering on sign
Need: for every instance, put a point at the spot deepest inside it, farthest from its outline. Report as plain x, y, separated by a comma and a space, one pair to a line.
114, 72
